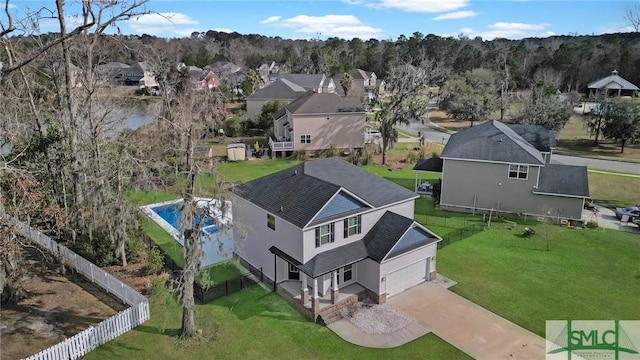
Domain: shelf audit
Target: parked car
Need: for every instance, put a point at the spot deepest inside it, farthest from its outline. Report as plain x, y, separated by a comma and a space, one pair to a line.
633, 212
373, 133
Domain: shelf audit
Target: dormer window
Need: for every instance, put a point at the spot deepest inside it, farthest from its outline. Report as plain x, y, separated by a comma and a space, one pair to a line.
518, 171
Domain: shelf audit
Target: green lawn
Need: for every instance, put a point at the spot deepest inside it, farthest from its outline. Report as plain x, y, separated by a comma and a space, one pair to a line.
252, 324
587, 274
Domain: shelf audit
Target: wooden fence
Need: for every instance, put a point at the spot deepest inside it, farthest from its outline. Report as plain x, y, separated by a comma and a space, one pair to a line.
80, 344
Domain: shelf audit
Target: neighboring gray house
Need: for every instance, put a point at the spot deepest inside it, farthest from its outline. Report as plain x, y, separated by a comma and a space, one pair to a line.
281, 90
319, 83
110, 73
613, 84
316, 122
506, 169
327, 231
266, 68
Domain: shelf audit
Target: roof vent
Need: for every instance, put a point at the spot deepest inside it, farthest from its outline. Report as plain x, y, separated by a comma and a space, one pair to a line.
295, 172
281, 209
614, 72
500, 140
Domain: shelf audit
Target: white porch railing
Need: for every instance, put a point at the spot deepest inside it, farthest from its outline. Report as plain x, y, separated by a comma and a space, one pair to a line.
107, 330
280, 145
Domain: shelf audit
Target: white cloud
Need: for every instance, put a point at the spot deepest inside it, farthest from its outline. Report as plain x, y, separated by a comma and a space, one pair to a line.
270, 19
163, 24
343, 26
423, 6
508, 31
353, 2
456, 15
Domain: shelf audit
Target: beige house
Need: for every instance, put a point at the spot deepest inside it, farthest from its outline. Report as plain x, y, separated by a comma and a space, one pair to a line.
316, 122
327, 233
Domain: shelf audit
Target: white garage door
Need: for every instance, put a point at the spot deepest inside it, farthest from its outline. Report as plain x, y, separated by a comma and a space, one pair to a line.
406, 277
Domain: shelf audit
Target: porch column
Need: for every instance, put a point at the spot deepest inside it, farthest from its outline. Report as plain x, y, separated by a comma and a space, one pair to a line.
334, 287
315, 298
304, 290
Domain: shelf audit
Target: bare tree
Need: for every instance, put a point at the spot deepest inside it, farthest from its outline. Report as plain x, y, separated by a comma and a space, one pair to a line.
407, 85
186, 116
632, 14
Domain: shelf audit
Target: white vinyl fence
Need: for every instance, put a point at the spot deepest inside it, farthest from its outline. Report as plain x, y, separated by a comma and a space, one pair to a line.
107, 330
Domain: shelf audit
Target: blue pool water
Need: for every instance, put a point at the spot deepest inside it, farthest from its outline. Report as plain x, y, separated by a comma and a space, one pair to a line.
171, 213
216, 245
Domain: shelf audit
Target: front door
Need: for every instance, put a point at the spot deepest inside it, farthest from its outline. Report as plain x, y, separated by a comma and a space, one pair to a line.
294, 273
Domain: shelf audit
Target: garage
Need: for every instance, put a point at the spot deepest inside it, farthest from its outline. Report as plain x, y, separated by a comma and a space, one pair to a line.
407, 277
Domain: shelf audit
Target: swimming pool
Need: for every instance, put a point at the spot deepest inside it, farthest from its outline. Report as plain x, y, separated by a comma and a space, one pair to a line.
172, 213
216, 245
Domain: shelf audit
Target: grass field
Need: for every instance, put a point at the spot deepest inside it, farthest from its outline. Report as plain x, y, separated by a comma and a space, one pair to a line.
587, 274
254, 323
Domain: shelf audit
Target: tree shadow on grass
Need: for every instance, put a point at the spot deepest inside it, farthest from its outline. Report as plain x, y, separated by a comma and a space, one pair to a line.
253, 302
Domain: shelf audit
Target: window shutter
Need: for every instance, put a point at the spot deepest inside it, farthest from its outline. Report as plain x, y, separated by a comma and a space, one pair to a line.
331, 229
359, 224
346, 228
317, 237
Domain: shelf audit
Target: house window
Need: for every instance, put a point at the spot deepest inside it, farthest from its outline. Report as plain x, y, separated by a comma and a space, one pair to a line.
347, 273
305, 139
518, 171
325, 234
352, 226
271, 221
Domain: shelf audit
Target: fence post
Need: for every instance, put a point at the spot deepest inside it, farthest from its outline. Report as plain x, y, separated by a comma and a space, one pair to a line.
226, 288
241, 282
261, 275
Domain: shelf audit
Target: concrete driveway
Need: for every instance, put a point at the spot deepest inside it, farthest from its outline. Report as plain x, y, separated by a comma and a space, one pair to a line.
607, 219
467, 326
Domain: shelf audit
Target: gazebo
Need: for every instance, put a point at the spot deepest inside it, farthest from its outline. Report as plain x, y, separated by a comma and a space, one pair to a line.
613, 84
433, 164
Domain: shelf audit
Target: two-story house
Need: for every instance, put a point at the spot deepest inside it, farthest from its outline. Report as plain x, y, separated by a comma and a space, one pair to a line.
364, 84
326, 230
507, 169
281, 90
319, 83
319, 121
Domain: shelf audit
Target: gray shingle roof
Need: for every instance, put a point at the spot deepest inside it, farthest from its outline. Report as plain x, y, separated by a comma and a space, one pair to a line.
491, 141
324, 103
307, 81
280, 90
563, 180
539, 136
302, 195
369, 187
376, 244
614, 78
385, 233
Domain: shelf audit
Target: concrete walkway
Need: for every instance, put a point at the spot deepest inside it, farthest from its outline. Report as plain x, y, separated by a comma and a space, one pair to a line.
467, 326
352, 334
606, 219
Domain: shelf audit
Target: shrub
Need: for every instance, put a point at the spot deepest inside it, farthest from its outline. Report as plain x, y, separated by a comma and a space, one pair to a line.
412, 156
99, 250
332, 151
155, 260
299, 155
592, 225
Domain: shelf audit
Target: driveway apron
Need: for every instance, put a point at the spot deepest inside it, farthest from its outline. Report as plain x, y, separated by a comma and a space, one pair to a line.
467, 326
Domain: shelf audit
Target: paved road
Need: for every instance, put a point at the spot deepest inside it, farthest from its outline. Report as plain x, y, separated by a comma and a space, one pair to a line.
432, 135
467, 326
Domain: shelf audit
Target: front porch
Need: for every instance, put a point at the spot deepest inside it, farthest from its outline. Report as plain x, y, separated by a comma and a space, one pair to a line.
328, 306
